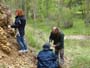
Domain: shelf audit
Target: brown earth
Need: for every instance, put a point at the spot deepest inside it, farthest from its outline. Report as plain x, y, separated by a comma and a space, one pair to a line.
9, 55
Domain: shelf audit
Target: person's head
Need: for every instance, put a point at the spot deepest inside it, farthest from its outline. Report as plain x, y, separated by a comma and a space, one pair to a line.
46, 46
19, 12
55, 30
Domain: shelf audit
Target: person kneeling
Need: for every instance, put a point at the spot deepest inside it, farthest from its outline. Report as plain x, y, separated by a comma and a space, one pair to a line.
46, 58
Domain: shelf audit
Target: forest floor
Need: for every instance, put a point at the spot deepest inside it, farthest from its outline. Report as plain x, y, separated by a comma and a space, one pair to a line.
16, 59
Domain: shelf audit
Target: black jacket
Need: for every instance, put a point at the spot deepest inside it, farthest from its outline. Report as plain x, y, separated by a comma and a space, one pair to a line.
58, 39
20, 23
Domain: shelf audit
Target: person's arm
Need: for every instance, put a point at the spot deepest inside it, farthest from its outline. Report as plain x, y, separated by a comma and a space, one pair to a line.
60, 44
16, 24
62, 40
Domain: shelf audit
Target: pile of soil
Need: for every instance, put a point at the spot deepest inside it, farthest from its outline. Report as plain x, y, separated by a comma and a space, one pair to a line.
9, 55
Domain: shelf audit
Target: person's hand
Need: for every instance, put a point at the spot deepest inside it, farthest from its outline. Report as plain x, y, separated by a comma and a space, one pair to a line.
9, 26
54, 46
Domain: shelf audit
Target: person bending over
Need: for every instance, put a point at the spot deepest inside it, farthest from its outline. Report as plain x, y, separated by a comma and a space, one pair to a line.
58, 41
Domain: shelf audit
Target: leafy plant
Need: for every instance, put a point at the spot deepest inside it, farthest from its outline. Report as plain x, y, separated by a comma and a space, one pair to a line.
66, 18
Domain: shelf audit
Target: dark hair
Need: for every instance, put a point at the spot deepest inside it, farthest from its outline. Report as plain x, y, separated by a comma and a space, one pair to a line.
46, 46
57, 29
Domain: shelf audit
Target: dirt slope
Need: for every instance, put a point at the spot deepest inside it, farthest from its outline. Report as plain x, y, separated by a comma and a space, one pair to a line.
14, 59
9, 55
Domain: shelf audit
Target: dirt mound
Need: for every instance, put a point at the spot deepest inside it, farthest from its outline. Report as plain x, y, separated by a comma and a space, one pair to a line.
9, 55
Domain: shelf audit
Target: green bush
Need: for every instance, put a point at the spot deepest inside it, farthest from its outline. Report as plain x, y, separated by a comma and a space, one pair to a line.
66, 18
87, 20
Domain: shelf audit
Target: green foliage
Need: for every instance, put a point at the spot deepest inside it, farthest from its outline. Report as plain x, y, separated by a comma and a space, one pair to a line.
87, 20
78, 28
66, 17
60, 12
82, 61
36, 37
78, 52
32, 40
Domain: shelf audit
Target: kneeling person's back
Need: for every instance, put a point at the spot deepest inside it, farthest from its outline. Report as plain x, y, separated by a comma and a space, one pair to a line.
46, 58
